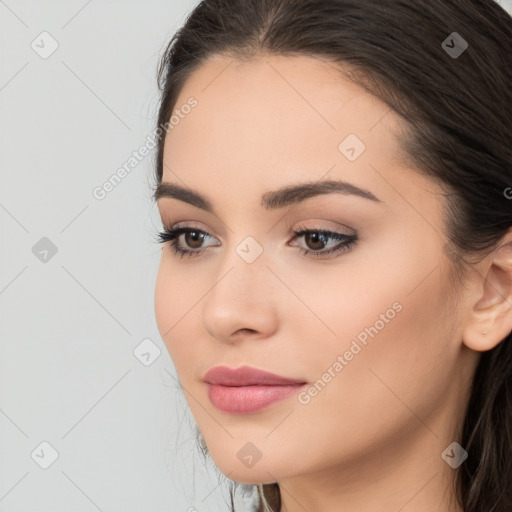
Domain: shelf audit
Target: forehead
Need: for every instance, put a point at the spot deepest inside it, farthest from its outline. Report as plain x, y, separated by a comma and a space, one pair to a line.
270, 92
279, 119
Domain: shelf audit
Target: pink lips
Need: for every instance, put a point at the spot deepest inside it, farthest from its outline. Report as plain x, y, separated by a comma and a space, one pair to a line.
244, 390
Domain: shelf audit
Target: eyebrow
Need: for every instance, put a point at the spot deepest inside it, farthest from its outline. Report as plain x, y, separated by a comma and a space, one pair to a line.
272, 200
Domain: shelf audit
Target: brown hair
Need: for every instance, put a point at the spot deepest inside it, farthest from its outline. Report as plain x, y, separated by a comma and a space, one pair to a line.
458, 113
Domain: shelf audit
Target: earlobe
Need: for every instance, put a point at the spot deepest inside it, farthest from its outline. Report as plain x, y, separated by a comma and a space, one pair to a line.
490, 321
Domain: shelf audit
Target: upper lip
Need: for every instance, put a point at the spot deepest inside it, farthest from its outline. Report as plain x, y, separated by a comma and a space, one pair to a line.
246, 376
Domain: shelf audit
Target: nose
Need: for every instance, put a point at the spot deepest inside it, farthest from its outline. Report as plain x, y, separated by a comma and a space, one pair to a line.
243, 301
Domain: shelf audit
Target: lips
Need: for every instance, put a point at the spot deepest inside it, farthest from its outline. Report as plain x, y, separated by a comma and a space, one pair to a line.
247, 376
247, 390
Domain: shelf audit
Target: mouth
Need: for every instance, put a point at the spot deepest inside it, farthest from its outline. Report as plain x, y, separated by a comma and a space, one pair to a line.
247, 390
249, 399
247, 376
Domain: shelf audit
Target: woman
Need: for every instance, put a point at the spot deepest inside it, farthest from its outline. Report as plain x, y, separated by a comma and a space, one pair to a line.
334, 178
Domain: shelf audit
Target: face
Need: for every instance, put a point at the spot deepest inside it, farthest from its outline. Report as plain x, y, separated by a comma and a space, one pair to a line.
361, 318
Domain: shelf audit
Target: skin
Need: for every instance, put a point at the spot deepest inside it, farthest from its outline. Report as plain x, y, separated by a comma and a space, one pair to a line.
371, 440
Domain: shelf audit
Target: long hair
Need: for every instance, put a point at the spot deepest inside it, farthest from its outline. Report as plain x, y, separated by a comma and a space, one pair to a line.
457, 110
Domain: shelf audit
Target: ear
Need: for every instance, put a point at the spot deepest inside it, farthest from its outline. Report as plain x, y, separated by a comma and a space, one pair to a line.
492, 311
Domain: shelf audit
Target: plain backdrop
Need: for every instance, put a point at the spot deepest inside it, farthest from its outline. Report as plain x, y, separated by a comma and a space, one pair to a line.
70, 320
91, 418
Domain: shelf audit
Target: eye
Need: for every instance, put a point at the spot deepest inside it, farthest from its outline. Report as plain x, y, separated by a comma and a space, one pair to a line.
317, 238
194, 237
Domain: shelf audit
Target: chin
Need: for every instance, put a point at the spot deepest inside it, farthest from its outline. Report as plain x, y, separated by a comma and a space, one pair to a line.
250, 476
237, 467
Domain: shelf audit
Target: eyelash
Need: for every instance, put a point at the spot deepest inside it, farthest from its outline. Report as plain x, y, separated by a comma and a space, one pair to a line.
172, 235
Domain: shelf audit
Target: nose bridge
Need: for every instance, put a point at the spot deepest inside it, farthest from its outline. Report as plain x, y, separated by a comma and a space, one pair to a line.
243, 271
241, 296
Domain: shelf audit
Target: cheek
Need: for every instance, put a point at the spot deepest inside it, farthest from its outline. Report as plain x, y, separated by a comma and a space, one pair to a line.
171, 305
396, 359
163, 299
391, 331
178, 299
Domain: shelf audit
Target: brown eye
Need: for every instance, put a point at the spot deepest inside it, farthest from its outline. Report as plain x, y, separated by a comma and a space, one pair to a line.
321, 242
315, 241
194, 239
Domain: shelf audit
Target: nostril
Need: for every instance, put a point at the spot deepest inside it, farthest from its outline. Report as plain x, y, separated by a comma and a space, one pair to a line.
244, 331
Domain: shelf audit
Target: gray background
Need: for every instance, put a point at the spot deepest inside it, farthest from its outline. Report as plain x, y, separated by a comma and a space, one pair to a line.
70, 321
69, 325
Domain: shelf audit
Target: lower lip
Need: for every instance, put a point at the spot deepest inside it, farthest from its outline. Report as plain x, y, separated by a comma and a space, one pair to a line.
247, 399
